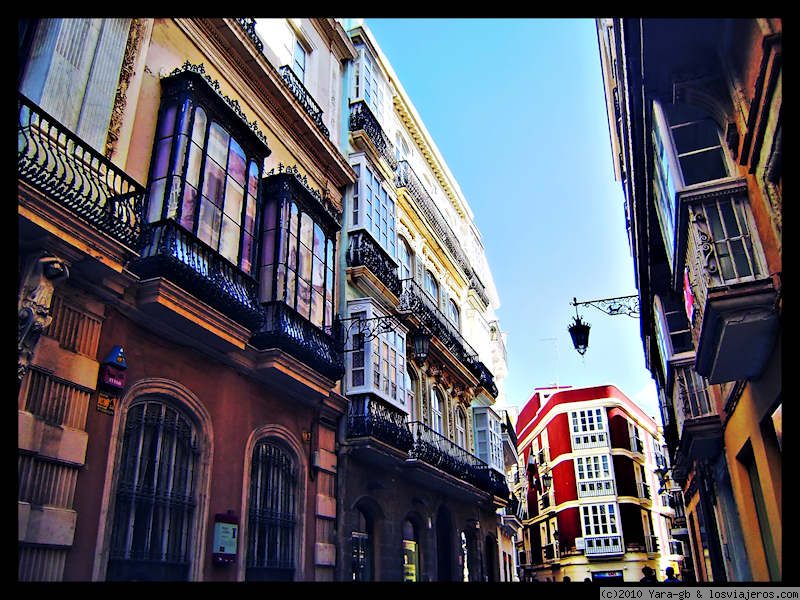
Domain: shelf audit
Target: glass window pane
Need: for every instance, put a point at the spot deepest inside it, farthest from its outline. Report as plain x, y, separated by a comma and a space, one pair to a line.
155, 200
247, 252
189, 207
166, 126
162, 158
236, 162
703, 166
229, 240
317, 309
209, 223
195, 160
233, 201
199, 128
214, 182
303, 297
218, 143
304, 262
694, 136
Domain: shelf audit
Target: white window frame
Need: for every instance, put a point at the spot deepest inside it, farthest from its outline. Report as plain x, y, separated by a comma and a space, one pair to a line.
594, 475
300, 70
374, 208
488, 437
437, 411
588, 428
382, 360
460, 420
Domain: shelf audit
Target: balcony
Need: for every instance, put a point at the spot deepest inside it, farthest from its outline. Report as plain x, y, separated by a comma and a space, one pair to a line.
643, 490
369, 418
285, 329
248, 25
736, 320
676, 547
603, 545
167, 250
364, 251
596, 487
62, 167
407, 179
637, 447
550, 552
438, 451
304, 97
362, 119
696, 418
651, 544
546, 500
594, 439
493, 482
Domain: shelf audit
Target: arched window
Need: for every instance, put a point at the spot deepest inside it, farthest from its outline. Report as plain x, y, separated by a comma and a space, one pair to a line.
437, 406
406, 256
361, 538
205, 170
272, 515
152, 536
410, 552
432, 286
453, 313
461, 427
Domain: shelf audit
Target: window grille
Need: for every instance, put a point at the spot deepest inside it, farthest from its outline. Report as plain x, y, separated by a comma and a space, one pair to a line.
152, 535
272, 516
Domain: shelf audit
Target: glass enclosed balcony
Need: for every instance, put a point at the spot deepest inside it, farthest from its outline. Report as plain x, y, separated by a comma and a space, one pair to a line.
698, 423
603, 545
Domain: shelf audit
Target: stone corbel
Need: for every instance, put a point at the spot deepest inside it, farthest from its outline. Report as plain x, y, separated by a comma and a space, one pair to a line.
42, 273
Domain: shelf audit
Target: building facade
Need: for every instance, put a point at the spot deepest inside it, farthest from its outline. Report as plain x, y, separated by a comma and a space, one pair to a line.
179, 213
596, 505
421, 461
209, 222
694, 112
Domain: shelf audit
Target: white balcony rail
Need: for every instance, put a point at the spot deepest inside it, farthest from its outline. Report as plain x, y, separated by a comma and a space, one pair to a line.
594, 439
597, 545
596, 487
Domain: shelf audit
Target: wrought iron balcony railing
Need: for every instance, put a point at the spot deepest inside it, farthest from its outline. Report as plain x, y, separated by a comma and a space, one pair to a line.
597, 545
369, 418
248, 25
597, 487
363, 250
485, 378
643, 490
438, 451
493, 481
416, 300
170, 251
691, 399
407, 178
65, 168
362, 119
284, 328
304, 97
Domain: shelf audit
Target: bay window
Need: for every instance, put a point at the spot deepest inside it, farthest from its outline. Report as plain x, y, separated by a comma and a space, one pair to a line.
374, 209
205, 169
488, 437
377, 365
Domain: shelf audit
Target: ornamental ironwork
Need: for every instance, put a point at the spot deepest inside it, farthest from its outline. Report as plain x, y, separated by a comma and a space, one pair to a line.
361, 118
368, 417
435, 449
363, 250
286, 329
248, 25
233, 104
168, 250
321, 199
65, 168
621, 305
304, 97
405, 177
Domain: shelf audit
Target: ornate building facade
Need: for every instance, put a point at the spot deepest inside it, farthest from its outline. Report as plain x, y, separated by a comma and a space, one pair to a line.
694, 110
180, 203
422, 458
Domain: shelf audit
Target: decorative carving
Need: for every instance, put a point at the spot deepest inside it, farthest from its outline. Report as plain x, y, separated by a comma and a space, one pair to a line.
43, 272
321, 197
135, 37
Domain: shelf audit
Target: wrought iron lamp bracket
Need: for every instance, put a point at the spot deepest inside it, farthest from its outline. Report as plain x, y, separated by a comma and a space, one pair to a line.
370, 328
621, 305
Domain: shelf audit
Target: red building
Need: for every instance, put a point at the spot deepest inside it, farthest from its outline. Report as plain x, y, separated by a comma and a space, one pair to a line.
596, 506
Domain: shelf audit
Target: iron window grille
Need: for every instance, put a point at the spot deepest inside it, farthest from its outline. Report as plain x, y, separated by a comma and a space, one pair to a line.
272, 514
154, 512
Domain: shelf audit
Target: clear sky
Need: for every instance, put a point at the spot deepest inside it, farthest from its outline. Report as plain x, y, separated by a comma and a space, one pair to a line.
516, 108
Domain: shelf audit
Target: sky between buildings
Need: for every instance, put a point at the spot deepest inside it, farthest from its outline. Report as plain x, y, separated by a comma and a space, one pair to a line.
516, 107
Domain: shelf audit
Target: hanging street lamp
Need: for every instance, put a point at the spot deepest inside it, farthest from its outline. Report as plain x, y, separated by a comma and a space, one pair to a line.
579, 329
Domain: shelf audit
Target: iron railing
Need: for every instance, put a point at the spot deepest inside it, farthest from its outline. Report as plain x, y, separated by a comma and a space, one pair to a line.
546, 500
603, 544
493, 481
64, 167
170, 251
435, 449
408, 179
416, 300
248, 25
363, 250
361, 118
304, 97
691, 399
285, 328
367, 417
550, 552
643, 490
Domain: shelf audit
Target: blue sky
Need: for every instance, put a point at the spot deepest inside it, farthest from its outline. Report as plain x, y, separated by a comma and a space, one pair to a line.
516, 108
